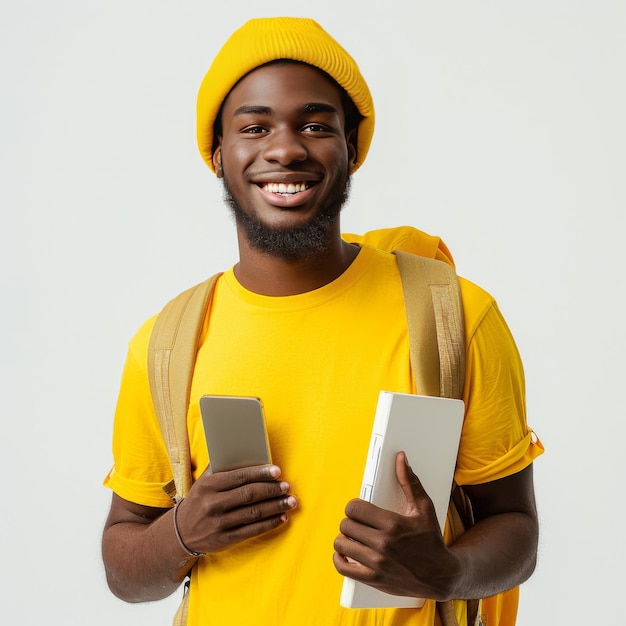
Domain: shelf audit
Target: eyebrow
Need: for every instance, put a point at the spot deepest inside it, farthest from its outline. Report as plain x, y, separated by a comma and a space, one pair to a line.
311, 107
249, 108
319, 107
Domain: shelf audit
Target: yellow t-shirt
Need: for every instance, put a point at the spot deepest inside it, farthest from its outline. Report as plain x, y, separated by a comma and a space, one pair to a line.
318, 361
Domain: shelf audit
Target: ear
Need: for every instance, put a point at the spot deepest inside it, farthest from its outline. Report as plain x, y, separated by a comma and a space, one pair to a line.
351, 139
217, 161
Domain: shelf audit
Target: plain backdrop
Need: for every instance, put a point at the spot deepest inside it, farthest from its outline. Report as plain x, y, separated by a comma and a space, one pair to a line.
500, 127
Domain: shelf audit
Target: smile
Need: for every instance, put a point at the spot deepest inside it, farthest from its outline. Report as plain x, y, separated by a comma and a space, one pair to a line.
285, 189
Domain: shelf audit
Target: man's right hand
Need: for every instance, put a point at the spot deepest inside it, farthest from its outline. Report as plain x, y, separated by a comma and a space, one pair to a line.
226, 508
141, 554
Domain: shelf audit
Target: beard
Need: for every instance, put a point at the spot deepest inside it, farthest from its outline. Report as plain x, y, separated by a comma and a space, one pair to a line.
303, 242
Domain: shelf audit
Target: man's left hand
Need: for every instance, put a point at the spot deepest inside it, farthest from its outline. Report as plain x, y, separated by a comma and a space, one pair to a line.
400, 553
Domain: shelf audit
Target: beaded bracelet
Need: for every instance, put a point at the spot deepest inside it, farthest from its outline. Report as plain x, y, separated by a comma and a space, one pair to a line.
180, 540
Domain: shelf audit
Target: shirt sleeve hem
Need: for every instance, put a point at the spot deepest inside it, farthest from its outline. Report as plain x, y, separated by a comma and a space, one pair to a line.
517, 459
146, 494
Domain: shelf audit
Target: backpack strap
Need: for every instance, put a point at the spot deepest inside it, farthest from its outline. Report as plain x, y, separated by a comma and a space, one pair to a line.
436, 331
171, 357
437, 352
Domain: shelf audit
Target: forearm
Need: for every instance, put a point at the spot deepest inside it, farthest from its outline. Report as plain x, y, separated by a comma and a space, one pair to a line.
144, 562
496, 554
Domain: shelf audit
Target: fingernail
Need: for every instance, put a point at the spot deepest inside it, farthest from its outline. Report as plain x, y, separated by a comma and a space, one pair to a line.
274, 471
291, 502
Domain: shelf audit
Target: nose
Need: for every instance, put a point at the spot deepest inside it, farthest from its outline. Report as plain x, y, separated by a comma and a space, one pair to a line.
285, 146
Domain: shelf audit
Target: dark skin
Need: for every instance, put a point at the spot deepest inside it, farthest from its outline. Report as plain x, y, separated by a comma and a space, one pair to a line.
285, 124
142, 556
405, 554
264, 141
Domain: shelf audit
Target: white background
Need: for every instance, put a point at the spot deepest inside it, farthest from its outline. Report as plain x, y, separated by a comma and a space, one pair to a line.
500, 127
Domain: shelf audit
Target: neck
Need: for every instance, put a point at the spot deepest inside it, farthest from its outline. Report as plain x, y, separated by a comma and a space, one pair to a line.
270, 275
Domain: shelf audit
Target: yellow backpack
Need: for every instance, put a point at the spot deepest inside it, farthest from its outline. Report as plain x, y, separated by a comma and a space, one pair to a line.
435, 322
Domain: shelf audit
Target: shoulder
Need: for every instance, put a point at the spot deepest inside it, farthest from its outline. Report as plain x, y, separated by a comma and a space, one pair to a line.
138, 345
476, 300
481, 312
187, 306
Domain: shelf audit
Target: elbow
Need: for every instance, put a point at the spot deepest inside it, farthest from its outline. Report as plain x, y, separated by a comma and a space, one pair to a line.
527, 567
530, 566
126, 582
525, 572
133, 593
121, 589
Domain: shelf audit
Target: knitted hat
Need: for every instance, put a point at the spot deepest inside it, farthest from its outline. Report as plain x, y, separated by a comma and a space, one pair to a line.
262, 40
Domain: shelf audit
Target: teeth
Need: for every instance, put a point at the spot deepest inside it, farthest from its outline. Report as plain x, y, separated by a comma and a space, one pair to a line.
285, 189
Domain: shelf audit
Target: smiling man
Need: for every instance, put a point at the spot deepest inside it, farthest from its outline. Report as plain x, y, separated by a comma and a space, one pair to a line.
289, 160
314, 324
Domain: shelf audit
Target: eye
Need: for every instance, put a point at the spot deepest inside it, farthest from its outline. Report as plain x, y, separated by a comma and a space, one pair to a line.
314, 127
253, 130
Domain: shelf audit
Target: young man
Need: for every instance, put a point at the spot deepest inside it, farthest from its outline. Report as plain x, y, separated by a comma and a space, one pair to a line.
315, 325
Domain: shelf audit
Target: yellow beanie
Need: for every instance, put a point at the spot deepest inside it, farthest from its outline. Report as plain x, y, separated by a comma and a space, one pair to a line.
262, 40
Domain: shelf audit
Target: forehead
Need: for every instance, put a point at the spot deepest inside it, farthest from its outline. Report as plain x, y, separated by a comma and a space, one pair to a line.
288, 84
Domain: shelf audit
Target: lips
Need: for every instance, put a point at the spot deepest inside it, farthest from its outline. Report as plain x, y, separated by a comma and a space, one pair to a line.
285, 194
285, 188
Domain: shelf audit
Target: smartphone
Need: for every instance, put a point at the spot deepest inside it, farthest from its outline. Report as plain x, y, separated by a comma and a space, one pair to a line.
234, 427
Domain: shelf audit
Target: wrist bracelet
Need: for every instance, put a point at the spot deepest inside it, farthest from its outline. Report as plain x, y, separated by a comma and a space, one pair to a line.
180, 540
